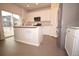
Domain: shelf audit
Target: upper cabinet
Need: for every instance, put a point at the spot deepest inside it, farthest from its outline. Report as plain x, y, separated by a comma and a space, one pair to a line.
54, 13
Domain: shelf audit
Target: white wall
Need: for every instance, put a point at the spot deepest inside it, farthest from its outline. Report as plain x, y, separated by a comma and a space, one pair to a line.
70, 14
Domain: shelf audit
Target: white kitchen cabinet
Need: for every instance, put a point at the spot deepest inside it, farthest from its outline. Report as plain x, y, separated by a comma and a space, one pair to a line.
72, 41
46, 30
29, 34
49, 30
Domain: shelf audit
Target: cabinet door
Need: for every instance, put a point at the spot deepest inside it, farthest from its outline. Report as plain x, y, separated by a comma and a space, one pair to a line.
69, 41
76, 44
46, 30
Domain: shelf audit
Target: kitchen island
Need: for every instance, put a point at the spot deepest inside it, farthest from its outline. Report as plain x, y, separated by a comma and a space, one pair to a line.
28, 34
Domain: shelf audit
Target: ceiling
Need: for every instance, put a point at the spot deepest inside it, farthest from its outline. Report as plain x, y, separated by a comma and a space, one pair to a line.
33, 6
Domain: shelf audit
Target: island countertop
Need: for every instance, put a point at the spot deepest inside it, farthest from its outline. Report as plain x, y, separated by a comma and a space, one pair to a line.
26, 26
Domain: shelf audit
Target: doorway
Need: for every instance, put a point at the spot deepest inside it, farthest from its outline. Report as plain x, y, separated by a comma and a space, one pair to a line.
7, 23
9, 20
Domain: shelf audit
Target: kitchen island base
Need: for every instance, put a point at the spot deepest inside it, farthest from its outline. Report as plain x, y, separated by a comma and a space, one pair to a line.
29, 35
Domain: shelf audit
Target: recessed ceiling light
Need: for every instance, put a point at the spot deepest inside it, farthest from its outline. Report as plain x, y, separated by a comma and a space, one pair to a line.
27, 5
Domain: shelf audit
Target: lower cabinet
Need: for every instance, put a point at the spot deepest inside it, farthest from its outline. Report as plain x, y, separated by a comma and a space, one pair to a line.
72, 42
49, 30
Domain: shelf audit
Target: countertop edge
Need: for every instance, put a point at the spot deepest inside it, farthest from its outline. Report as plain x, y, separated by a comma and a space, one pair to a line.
24, 27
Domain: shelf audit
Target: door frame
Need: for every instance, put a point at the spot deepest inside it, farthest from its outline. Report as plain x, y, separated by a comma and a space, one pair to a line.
59, 26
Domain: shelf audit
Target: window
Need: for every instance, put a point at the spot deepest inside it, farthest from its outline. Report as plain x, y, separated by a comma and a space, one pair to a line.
17, 20
11, 19
6, 16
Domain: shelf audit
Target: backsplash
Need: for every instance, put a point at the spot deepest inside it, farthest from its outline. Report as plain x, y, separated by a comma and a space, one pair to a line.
43, 23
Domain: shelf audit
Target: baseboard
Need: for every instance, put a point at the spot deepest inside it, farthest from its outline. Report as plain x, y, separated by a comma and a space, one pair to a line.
33, 44
54, 37
51, 36
9, 36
